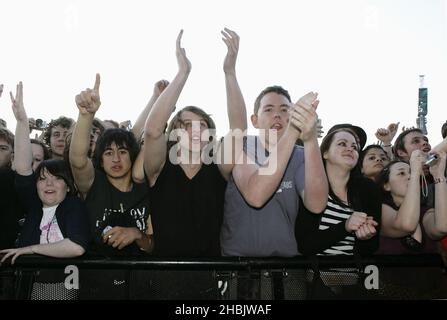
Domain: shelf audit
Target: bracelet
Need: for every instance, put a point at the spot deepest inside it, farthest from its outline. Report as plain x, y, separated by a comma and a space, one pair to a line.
439, 180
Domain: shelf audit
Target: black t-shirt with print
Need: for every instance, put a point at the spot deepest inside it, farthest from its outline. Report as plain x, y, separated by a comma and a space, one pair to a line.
110, 207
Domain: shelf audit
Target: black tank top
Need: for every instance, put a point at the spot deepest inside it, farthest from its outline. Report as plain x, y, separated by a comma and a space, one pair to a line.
187, 213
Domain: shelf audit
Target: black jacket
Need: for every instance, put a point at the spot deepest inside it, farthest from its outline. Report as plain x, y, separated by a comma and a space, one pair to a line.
364, 196
71, 215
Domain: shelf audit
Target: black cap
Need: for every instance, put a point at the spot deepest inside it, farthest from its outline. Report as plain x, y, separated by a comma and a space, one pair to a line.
361, 134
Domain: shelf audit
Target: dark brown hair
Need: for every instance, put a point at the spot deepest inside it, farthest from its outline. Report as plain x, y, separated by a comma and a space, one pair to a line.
276, 89
355, 172
399, 144
64, 122
57, 168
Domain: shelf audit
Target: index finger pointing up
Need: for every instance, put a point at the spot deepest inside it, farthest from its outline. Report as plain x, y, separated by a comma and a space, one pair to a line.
20, 90
179, 38
97, 82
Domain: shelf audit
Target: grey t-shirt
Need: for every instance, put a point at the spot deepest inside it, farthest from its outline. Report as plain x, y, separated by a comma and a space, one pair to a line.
270, 230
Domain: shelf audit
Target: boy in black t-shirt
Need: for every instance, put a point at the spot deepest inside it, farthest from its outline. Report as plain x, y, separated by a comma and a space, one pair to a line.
118, 206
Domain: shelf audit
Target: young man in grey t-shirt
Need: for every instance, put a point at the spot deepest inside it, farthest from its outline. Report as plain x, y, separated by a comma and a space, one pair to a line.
262, 197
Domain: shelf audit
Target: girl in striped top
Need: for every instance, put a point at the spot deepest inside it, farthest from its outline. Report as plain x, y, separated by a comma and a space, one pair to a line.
351, 219
349, 224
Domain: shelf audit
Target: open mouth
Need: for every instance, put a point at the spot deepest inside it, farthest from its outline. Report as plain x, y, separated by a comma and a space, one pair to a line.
50, 192
276, 126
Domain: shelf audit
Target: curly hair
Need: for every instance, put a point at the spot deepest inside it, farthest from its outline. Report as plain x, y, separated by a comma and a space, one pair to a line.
62, 121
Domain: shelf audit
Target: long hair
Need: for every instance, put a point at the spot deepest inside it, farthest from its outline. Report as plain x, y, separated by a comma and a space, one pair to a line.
176, 122
384, 178
354, 174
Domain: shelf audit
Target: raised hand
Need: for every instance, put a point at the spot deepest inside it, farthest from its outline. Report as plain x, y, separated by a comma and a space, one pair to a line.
231, 39
17, 103
417, 160
303, 116
127, 124
407, 128
88, 101
437, 170
183, 63
387, 135
160, 86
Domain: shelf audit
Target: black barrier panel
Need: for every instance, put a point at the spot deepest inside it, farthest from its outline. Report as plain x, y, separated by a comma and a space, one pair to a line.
398, 277
7, 290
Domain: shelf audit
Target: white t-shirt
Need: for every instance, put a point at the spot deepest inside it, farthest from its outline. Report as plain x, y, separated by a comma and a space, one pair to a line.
49, 229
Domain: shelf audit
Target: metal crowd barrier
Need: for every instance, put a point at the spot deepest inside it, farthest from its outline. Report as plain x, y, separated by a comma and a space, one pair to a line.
89, 277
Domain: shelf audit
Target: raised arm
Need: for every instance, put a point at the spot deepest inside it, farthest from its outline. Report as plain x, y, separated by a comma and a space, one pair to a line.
253, 181
23, 157
400, 223
237, 113
88, 103
316, 188
442, 146
386, 136
1, 90
435, 220
138, 166
155, 140
139, 124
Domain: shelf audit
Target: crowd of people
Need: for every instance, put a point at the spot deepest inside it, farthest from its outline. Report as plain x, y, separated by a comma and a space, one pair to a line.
173, 189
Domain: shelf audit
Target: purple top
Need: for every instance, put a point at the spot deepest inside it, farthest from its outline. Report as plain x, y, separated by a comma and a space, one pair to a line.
396, 246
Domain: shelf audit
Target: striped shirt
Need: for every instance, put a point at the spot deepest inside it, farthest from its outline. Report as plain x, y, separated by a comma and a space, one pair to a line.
333, 215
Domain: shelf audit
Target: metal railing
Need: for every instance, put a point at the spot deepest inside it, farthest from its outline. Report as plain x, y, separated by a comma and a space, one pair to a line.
91, 277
